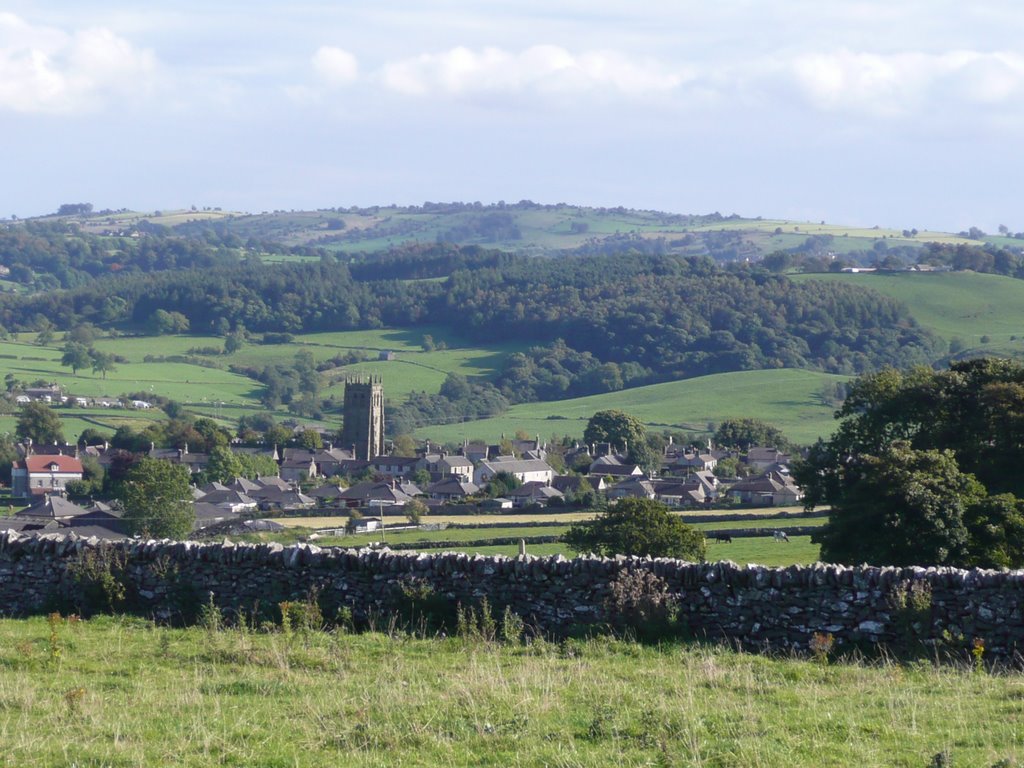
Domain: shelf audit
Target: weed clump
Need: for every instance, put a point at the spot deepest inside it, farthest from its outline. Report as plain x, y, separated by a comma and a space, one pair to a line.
302, 616
821, 645
210, 617
477, 624
422, 609
640, 603
911, 604
97, 576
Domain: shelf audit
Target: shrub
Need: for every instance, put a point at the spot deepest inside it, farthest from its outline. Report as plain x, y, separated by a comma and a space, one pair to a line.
637, 527
302, 615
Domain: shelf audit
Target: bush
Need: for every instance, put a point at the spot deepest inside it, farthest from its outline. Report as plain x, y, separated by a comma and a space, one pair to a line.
637, 527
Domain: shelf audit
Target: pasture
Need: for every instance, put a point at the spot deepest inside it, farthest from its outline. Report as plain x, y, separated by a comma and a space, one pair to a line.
762, 550
226, 396
474, 534
787, 398
121, 691
953, 305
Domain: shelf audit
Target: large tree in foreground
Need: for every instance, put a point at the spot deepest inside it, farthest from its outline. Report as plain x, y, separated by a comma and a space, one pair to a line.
903, 507
637, 527
910, 472
156, 499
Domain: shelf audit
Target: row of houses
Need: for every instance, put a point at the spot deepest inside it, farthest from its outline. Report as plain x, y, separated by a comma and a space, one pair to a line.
53, 395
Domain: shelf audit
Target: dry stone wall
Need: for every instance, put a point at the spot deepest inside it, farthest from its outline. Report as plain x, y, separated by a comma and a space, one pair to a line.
752, 606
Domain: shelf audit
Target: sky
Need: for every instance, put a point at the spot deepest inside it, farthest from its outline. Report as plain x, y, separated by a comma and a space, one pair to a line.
902, 113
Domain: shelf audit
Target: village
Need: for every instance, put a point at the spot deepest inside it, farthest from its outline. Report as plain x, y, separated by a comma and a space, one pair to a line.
367, 481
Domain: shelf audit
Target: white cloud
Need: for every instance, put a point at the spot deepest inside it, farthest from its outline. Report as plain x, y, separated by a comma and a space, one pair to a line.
540, 68
905, 83
43, 69
335, 65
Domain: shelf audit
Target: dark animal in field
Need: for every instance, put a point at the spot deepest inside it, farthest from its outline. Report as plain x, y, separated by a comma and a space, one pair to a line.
725, 538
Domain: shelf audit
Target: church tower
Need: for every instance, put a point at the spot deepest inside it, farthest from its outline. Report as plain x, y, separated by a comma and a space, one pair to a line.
363, 427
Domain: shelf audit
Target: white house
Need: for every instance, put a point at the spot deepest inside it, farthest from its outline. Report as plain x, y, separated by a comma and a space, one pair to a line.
525, 470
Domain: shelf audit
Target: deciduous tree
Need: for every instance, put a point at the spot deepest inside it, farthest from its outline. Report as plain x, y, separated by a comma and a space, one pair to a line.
637, 527
39, 423
76, 355
156, 499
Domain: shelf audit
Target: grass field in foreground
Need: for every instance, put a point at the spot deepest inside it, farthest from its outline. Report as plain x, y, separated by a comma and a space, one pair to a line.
120, 692
786, 398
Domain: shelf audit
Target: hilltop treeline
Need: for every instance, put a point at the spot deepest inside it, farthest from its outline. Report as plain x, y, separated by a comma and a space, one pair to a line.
594, 325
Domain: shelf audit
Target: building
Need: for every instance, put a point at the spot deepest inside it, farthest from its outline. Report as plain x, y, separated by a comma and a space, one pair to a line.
43, 474
524, 470
363, 426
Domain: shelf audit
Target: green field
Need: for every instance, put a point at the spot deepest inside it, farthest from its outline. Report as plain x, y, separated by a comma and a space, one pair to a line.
786, 398
954, 305
121, 692
226, 396
761, 549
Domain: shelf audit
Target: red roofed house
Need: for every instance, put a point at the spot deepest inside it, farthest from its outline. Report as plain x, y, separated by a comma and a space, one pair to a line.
43, 474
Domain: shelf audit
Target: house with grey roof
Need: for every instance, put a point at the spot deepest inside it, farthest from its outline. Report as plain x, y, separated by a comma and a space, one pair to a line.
524, 470
534, 494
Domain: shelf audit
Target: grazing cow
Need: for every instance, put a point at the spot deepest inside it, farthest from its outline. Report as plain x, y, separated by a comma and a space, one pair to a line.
725, 538
780, 536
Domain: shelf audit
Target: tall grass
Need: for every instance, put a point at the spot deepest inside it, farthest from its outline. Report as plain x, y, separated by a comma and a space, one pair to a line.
123, 692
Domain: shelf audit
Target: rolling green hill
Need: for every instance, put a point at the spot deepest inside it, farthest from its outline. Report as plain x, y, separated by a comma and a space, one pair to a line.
227, 396
955, 305
789, 399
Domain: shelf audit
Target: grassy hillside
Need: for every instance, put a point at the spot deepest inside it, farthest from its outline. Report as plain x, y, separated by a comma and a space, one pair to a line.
955, 305
119, 691
787, 398
227, 396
